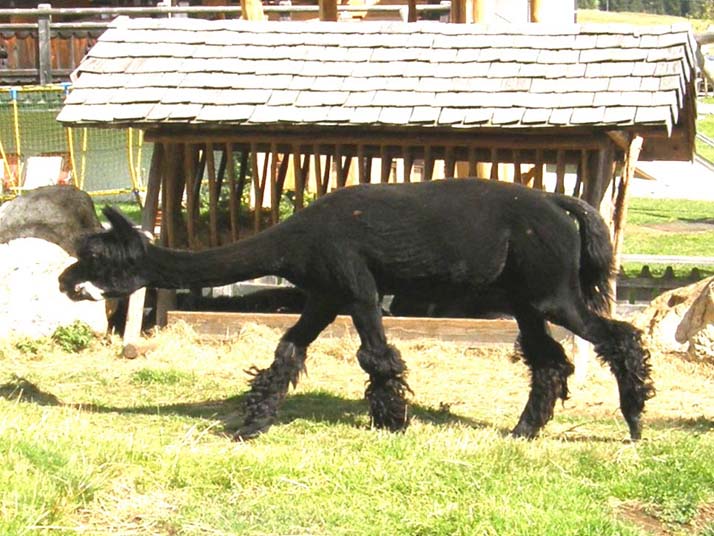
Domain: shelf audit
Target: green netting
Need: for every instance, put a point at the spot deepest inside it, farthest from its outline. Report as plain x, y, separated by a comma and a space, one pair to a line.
100, 157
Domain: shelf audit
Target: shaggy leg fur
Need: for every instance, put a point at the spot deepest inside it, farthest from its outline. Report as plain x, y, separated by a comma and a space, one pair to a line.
269, 387
619, 345
549, 375
386, 388
622, 348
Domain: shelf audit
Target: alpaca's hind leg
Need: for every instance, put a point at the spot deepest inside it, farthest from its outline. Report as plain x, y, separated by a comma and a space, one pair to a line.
387, 386
269, 386
620, 345
549, 373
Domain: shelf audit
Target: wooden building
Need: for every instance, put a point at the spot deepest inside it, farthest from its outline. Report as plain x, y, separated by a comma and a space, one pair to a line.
234, 102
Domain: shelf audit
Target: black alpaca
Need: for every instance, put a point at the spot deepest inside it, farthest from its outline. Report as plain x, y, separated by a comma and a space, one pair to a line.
540, 256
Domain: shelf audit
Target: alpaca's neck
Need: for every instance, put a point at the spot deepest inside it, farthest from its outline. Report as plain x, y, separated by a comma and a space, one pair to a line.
262, 254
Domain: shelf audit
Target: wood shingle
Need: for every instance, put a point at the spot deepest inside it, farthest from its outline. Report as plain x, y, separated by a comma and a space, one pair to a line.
152, 72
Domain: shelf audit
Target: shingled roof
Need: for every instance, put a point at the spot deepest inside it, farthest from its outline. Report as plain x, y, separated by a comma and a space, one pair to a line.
153, 72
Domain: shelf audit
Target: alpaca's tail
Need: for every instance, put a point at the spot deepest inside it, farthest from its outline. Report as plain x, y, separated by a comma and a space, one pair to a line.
596, 255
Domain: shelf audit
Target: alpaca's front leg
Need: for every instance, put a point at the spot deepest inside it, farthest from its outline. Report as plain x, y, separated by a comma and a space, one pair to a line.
387, 386
269, 387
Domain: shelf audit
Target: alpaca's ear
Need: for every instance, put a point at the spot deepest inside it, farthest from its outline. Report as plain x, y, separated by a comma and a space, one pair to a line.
120, 223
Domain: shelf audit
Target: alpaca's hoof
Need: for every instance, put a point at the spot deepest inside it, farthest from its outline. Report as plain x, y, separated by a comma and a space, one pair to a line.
525, 431
635, 426
252, 430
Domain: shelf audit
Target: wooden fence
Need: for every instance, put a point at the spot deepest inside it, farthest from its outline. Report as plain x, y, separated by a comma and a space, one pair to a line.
49, 49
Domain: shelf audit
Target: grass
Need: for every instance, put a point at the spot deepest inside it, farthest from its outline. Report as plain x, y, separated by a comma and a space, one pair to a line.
639, 19
663, 227
91, 444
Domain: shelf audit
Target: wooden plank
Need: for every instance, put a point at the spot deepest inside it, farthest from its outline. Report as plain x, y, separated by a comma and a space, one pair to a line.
535, 140
668, 259
212, 195
226, 325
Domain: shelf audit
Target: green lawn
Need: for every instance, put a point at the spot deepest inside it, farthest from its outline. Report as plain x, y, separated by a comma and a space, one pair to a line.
659, 227
92, 444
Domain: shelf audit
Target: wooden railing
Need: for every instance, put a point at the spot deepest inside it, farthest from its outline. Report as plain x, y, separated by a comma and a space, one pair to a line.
48, 50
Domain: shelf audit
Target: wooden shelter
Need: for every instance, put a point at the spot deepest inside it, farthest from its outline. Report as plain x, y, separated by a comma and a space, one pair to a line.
324, 101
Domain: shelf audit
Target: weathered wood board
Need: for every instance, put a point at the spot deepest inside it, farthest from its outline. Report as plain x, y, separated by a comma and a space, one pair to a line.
226, 325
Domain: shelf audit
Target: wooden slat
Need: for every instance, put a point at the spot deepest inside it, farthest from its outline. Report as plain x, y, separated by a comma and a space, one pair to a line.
302, 173
408, 159
538, 171
494, 164
189, 157
449, 162
258, 186
318, 170
274, 186
386, 157
361, 165
428, 163
517, 175
212, 195
582, 177
473, 172
560, 173
233, 200
226, 325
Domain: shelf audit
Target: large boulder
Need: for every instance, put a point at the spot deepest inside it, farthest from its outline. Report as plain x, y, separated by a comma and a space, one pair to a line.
697, 326
682, 320
39, 231
58, 214
31, 304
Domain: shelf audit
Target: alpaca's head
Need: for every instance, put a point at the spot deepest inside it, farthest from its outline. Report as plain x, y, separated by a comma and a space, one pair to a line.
109, 264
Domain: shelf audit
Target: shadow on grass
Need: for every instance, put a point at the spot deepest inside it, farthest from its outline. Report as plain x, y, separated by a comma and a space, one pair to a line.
698, 425
318, 406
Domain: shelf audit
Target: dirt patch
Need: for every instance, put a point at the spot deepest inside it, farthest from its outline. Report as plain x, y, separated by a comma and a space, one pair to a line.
697, 226
635, 513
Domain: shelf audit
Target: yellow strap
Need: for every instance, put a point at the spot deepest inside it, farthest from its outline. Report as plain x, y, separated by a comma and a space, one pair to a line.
85, 136
16, 128
72, 162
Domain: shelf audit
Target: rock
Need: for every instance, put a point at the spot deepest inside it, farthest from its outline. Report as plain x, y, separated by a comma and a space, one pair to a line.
58, 214
697, 326
31, 304
681, 320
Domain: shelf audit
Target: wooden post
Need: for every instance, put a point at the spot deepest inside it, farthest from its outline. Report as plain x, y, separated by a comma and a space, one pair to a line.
459, 10
483, 10
44, 48
620, 215
135, 312
328, 10
411, 11
252, 10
